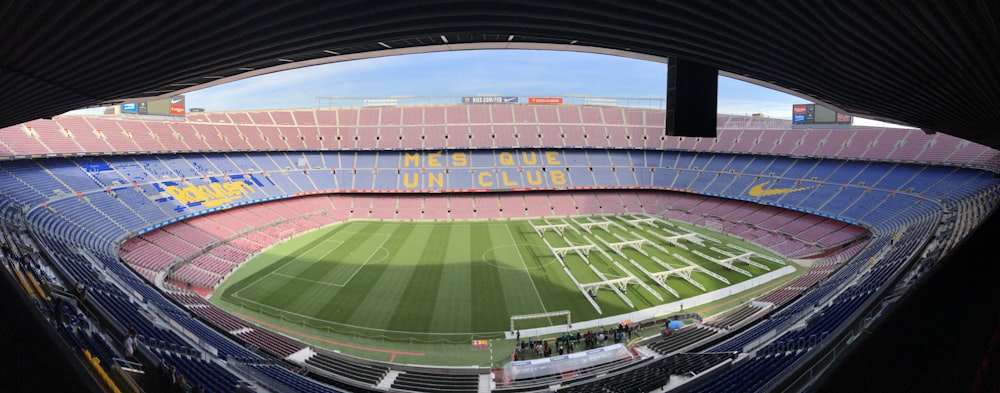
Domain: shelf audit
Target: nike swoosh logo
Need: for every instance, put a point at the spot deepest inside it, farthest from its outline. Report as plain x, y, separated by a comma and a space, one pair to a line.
175, 100
759, 191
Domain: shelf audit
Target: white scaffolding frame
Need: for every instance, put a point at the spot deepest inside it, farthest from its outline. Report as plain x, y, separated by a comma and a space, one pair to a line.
603, 224
583, 251
636, 222
745, 258
727, 262
557, 228
675, 239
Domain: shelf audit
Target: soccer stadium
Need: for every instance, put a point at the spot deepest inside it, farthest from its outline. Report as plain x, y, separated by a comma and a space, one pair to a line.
478, 243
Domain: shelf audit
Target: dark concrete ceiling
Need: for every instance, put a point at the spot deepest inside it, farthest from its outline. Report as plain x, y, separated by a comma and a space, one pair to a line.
931, 64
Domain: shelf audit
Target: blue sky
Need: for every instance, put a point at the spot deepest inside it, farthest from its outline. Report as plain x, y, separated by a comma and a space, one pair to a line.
471, 72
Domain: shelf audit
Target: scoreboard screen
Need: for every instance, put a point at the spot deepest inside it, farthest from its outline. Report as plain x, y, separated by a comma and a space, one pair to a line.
818, 114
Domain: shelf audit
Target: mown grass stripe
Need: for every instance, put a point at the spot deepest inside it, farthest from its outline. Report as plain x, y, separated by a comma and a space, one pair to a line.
490, 296
348, 305
306, 294
454, 302
323, 286
339, 258
262, 273
415, 306
384, 293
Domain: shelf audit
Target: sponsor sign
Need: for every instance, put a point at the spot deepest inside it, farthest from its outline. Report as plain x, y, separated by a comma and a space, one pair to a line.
489, 100
759, 190
177, 105
169, 106
818, 114
545, 100
381, 102
601, 101
480, 344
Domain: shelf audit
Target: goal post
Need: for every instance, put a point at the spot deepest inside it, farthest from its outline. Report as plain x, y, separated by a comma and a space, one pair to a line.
522, 317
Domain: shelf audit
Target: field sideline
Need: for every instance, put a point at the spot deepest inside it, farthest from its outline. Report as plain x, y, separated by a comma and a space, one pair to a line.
455, 280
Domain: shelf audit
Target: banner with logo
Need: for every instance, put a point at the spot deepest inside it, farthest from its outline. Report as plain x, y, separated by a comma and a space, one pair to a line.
177, 105
545, 100
480, 344
818, 114
381, 102
600, 101
489, 100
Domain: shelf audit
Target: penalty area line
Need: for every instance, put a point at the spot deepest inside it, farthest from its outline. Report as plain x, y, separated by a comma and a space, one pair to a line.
328, 341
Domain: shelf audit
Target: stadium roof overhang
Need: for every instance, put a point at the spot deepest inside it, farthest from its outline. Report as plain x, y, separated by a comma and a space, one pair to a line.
932, 65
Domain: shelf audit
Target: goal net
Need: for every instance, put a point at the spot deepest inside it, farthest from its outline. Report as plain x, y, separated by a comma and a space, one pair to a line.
516, 320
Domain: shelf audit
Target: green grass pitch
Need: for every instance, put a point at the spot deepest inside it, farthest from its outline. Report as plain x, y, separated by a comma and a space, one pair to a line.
456, 279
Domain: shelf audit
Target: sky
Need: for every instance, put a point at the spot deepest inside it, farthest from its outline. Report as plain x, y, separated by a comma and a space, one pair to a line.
537, 73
